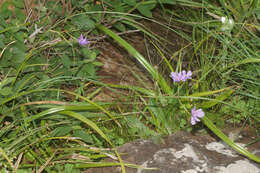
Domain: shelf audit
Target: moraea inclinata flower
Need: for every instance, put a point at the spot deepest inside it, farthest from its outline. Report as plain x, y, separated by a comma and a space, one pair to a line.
181, 76
196, 115
82, 40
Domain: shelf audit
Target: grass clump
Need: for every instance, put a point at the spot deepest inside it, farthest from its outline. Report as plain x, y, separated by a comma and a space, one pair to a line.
50, 119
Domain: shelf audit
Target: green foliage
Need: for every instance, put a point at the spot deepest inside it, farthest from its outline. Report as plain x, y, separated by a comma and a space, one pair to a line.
161, 116
47, 111
145, 9
83, 22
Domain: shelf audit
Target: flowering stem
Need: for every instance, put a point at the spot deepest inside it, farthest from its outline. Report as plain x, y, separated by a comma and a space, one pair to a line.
222, 136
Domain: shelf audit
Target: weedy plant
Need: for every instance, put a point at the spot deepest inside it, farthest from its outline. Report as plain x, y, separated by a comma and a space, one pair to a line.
38, 64
226, 29
178, 77
48, 64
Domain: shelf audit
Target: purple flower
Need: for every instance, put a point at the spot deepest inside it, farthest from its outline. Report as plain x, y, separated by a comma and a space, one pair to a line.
185, 75
176, 76
82, 40
195, 115
181, 76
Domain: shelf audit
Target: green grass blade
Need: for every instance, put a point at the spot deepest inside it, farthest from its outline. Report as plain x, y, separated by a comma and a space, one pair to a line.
28, 56
64, 110
44, 113
94, 104
109, 164
245, 61
144, 91
218, 99
222, 136
5, 100
97, 129
2, 152
87, 122
208, 93
163, 57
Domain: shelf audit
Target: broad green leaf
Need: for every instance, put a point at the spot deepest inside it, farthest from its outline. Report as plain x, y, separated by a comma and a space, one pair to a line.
5, 12
19, 36
130, 2
93, 55
87, 71
157, 111
145, 9
139, 128
97, 63
20, 15
83, 135
83, 22
62, 131
121, 27
85, 52
6, 81
18, 3
66, 61
17, 51
119, 8
5, 91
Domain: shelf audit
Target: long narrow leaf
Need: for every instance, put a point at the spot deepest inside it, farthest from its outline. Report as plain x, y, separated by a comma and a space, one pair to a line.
156, 76
218, 99
2, 152
222, 136
244, 61
97, 129
95, 104
88, 122
208, 93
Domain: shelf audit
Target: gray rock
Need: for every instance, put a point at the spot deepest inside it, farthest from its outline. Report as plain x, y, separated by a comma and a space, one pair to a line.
182, 153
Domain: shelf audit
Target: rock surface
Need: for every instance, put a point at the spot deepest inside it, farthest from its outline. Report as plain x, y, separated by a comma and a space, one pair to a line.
183, 153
